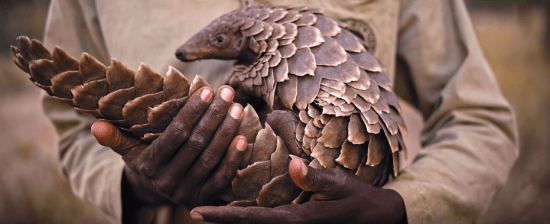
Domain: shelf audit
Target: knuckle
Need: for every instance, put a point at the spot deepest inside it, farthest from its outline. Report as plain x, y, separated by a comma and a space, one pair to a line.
147, 169
208, 161
217, 110
163, 185
198, 140
178, 131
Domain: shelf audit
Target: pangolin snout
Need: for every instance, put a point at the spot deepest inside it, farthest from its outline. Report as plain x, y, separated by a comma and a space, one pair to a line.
182, 54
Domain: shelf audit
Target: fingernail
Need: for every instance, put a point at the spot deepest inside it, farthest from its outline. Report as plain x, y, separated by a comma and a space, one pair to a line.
241, 144
226, 94
236, 111
206, 95
196, 216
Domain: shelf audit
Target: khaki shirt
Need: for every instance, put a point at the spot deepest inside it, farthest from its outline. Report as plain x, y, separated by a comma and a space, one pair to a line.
428, 47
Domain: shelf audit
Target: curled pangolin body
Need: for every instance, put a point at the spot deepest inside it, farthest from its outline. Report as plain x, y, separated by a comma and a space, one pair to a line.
346, 114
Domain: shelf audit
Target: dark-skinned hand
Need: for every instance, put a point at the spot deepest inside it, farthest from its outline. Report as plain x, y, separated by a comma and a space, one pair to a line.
338, 197
191, 161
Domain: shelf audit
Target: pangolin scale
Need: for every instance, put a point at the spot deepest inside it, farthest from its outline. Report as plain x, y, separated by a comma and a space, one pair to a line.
347, 116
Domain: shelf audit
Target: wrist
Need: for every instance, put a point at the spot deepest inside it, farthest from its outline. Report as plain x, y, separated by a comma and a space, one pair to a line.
139, 191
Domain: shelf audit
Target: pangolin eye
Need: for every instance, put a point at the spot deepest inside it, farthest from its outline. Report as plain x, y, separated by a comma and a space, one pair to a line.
218, 39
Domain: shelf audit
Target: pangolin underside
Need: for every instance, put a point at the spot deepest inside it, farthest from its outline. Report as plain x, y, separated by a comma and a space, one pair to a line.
347, 116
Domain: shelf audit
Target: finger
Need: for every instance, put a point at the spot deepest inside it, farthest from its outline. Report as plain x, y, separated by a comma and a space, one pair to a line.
311, 212
215, 151
311, 179
198, 139
109, 135
165, 146
225, 172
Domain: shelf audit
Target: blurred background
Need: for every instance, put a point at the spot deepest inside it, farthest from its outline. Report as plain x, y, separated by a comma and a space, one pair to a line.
515, 37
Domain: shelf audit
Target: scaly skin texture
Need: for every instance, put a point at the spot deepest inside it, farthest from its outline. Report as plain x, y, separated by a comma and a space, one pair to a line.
334, 107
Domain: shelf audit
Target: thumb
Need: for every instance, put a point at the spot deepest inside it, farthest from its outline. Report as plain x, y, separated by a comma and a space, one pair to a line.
311, 179
109, 135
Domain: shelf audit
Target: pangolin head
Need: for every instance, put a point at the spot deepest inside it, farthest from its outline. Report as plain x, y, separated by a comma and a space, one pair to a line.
221, 39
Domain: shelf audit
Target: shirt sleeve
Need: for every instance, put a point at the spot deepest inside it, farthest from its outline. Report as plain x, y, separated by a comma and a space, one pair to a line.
93, 171
469, 142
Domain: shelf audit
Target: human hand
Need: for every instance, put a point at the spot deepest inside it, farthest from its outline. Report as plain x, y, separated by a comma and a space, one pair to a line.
338, 197
192, 161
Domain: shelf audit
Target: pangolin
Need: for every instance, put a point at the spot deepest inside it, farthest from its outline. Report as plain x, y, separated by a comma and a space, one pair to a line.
296, 60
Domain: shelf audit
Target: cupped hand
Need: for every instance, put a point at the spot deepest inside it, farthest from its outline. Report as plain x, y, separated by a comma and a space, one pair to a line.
192, 160
338, 197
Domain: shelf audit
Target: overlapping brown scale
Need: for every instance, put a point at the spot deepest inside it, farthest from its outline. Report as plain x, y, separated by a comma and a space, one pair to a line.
110, 106
276, 15
160, 116
307, 19
266, 32
248, 23
351, 155
330, 53
372, 94
147, 81
64, 82
21, 63
39, 51
197, 83
264, 14
327, 26
381, 79
250, 124
311, 131
392, 139
283, 42
335, 132
287, 91
308, 87
135, 110
278, 31
119, 76
345, 72
308, 36
349, 42
300, 131
376, 149
42, 71
255, 29
279, 159
25, 47
291, 30
290, 17
287, 50
248, 182
349, 95
63, 62
302, 62
366, 61
391, 125
381, 106
326, 156
399, 120
91, 69
272, 46
87, 95
265, 144
362, 83
175, 85
357, 132
281, 190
